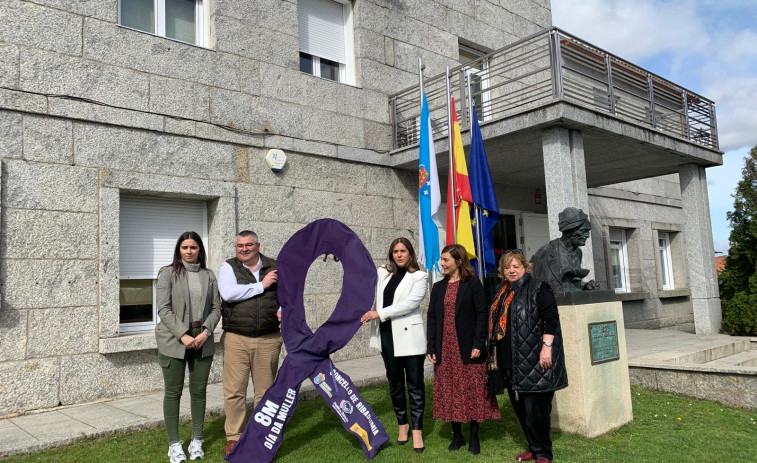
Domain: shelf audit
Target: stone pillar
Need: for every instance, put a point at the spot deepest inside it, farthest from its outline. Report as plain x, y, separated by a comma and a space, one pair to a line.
565, 179
700, 252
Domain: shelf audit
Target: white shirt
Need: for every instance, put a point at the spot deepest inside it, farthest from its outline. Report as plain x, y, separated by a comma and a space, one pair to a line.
231, 291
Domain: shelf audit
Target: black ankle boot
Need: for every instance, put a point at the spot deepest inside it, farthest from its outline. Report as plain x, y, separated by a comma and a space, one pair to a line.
457, 436
474, 446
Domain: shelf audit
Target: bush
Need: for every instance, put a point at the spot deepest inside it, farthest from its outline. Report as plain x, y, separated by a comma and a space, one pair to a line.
740, 315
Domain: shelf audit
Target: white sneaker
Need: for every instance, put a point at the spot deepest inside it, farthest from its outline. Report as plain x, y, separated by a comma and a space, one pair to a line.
176, 453
195, 450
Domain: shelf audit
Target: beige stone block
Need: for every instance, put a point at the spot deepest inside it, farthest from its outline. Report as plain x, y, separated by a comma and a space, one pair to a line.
48, 139
28, 234
13, 340
10, 135
598, 398
29, 385
64, 283
310, 173
30, 25
63, 331
52, 187
85, 378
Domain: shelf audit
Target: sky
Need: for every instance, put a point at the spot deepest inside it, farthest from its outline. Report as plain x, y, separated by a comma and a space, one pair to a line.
706, 46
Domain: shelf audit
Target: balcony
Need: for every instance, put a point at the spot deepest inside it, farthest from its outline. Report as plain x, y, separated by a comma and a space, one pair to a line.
552, 69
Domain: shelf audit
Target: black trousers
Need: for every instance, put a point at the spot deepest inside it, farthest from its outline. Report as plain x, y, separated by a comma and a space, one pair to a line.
534, 415
401, 370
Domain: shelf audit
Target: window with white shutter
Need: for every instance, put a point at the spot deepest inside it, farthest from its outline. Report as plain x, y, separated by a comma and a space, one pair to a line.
148, 230
326, 42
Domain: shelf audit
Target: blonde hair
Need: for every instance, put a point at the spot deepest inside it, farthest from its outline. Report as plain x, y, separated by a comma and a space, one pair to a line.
505, 260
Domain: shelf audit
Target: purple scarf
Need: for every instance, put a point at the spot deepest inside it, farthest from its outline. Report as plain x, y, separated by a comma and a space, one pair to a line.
308, 352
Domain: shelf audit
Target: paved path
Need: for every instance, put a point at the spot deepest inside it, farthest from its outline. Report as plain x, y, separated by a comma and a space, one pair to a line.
63, 425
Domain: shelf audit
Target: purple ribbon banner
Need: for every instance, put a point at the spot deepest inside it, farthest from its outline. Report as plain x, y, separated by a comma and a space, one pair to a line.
307, 352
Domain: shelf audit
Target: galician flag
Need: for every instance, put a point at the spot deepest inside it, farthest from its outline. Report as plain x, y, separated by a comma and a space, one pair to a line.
461, 197
429, 197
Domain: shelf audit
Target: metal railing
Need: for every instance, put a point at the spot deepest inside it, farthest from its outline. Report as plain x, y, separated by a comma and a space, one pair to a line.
552, 66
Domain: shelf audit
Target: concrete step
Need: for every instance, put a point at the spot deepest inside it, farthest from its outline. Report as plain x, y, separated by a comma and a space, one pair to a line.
715, 351
747, 358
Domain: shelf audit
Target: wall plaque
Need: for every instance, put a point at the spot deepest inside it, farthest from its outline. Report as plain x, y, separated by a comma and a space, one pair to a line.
603, 342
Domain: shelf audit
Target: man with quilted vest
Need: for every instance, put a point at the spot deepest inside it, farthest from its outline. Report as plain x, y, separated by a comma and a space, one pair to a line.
252, 337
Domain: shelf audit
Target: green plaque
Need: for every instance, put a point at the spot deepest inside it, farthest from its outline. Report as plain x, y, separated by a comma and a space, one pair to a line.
603, 342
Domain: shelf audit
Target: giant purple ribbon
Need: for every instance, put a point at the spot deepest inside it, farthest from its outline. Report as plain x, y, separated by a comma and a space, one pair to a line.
308, 352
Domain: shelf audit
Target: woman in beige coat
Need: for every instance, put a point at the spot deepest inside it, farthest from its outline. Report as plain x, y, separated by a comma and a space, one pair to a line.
189, 307
399, 334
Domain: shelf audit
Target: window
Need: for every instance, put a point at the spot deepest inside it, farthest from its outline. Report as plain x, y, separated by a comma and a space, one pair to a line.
326, 45
477, 75
666, 269
619, 261
149, 228
183, 20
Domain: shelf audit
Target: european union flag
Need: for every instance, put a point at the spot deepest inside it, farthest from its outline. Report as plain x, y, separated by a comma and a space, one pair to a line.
482, 189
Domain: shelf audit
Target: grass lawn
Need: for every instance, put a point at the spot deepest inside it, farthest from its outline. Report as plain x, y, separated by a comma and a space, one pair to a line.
666, 427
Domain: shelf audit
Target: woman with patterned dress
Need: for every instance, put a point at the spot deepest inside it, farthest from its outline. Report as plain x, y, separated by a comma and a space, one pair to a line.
457, 328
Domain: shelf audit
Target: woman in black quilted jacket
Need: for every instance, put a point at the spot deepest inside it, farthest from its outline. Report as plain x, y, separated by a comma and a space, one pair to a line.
525, 352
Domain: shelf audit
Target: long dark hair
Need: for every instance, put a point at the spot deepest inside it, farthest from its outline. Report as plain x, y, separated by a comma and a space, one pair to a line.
461, 256
178, 267
412, 263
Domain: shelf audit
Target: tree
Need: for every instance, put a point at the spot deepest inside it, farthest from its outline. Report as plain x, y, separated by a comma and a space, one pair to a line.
738, 282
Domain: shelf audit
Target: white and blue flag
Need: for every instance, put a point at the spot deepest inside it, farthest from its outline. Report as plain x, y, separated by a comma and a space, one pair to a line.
429, 197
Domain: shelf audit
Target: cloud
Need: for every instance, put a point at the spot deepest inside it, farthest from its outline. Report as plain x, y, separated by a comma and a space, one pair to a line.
736, 107
634, 30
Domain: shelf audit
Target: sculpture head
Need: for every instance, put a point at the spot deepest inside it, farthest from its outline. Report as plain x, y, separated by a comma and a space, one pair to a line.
575, 227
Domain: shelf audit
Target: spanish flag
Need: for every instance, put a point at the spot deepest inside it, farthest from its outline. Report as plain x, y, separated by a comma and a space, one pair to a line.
462, 197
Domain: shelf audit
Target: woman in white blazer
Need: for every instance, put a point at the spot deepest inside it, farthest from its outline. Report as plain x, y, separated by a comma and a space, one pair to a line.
397, 331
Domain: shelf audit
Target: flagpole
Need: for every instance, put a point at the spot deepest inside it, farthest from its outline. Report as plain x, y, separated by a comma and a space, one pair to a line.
479, 236
451, 170
480, 240
432, 273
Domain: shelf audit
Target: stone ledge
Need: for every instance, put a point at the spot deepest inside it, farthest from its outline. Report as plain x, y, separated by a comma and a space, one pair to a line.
632, 296
678, 292
728, 386
137, 342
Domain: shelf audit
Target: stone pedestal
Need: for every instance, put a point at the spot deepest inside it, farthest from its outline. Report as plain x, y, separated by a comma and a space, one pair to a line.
598, 398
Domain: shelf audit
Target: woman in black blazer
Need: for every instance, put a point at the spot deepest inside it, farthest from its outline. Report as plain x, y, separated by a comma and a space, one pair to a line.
457, 329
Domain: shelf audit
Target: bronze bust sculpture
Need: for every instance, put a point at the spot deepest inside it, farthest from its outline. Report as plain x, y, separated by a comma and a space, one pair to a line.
559, 261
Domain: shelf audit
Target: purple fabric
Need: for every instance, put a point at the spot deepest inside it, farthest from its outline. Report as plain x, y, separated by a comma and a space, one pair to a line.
308, 352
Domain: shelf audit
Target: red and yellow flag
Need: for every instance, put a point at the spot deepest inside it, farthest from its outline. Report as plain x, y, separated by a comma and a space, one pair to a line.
462, 198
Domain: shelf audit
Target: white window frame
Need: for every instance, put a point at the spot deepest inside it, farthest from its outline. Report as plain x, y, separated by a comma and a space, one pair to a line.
483, 74
346, 69
143, 327
619, 243
159, 8
666, 264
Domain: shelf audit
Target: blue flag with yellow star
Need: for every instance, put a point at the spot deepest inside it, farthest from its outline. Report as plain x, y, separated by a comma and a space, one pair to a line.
482, 190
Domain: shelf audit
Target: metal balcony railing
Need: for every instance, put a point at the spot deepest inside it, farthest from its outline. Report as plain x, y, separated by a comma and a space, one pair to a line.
552, 66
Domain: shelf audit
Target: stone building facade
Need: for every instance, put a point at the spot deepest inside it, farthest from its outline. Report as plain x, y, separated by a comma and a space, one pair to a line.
103, 124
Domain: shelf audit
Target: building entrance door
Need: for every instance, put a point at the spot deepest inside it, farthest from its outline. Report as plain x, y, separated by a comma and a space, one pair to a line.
535, 232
